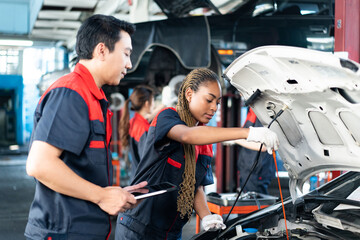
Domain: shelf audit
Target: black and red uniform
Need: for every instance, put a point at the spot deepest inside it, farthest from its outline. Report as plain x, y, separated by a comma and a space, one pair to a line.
138, 130
163, 160
73, 115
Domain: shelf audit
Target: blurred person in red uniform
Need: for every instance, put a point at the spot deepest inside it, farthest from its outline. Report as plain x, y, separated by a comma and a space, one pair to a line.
133, 130
69, 154
178, 150
265, 169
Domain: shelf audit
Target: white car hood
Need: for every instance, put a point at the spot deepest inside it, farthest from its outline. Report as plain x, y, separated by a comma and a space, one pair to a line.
320, 128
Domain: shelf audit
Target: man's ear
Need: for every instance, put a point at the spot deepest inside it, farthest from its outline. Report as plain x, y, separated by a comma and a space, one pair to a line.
188, 94
100, 51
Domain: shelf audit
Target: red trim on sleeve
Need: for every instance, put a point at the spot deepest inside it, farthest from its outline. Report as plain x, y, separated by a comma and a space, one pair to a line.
96, 144
204, 150
174, 163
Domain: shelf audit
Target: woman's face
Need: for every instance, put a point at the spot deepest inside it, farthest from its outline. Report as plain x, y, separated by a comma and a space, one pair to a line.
149, 106
152, 105
203, 103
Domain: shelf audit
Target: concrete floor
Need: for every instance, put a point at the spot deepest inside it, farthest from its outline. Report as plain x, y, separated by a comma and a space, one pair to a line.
16, 194
17, 191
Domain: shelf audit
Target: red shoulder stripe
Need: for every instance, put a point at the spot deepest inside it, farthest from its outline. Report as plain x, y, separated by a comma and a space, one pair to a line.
250, 116
138, 126
153, 123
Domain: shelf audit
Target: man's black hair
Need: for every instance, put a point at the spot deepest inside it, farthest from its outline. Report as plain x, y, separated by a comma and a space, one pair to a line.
100, 28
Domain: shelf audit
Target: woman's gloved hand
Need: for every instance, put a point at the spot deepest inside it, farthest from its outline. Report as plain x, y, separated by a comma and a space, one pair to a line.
228, 143
265, 136
213, 221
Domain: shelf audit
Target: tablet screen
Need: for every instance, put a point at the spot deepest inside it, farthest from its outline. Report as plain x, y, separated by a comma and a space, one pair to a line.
153, 190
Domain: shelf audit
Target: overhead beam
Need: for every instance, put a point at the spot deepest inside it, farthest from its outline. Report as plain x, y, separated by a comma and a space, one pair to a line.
57, 24
54, 14
34, 8
71, 3
58, 33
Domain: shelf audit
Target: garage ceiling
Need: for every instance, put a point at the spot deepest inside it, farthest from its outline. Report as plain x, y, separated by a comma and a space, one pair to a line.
49, 22
57, 21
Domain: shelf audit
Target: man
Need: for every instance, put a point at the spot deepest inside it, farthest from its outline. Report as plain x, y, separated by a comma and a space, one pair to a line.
265, 170
69, 150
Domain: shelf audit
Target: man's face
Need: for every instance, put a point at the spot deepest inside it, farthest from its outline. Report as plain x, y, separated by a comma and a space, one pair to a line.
118, 61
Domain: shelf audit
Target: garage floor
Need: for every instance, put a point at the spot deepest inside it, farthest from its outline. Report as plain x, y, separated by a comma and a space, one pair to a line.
16, 194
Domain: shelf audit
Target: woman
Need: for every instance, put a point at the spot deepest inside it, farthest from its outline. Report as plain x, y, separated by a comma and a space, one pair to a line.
178, 150
134, 130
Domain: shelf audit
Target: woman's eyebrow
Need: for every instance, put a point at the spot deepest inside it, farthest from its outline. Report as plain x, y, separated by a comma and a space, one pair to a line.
214, 96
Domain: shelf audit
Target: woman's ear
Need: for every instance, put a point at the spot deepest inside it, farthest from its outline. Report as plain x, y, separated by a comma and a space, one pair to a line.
188, 94
147, 104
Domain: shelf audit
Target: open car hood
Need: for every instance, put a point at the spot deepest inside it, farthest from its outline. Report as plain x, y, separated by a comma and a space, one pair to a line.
319, 129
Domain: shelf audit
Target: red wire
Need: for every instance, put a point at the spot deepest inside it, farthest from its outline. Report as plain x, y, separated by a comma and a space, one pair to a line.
282, 200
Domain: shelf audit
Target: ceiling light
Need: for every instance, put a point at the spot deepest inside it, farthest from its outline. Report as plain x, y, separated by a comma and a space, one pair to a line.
13, 42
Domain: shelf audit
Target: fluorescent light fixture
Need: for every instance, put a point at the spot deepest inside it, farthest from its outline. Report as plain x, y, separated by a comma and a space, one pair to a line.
320, 40
13, 42
14, 147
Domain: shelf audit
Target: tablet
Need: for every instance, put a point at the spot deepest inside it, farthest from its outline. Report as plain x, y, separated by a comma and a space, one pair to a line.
153, 190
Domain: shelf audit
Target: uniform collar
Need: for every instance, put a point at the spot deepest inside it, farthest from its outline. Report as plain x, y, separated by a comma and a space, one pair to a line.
139, 116
89, 80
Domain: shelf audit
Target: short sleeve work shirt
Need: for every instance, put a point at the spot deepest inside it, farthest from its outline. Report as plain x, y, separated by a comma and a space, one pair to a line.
163, 160
73, 115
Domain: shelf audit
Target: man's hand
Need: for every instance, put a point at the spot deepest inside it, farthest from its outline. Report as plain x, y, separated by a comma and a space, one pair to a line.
265, 136
117, 199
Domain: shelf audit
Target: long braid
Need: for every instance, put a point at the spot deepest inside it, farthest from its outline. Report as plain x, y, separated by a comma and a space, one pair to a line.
193, 80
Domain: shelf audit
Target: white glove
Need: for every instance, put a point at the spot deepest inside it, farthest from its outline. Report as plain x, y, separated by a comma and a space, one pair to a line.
214, 221
228, 143
265, 136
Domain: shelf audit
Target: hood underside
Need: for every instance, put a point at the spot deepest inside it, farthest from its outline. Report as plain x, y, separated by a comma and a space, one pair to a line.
319, 128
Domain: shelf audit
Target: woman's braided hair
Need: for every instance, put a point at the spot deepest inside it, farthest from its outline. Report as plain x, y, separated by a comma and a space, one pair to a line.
193, 80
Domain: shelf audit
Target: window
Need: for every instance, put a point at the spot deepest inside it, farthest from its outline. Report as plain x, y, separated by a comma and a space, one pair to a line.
9, 61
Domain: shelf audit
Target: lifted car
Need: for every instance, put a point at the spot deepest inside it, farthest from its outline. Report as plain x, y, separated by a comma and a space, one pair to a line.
167, 48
